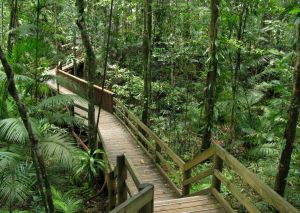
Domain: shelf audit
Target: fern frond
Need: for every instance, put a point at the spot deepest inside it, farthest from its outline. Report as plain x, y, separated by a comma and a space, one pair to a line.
65, 203
264, 150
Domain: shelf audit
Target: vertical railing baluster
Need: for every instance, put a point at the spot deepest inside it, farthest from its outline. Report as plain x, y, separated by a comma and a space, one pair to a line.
121, 178
157, 150
218, 165
148, 208
186, 189
111, 184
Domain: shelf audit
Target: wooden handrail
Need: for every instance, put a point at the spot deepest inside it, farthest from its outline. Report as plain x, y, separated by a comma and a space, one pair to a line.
151, 134
142, 201
268, 194
107, 98
156, 149
221, 156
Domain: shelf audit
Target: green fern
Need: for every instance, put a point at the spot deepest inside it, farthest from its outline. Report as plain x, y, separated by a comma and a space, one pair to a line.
65, 203
263, 150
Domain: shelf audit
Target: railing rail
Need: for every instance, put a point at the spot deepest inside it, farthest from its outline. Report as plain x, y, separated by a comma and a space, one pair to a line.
187, 172
265, 192
118, 189
81, 87
156, 149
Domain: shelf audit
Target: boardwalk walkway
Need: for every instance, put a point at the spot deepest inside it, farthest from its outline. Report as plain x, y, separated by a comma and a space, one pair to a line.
146, 163
117, 140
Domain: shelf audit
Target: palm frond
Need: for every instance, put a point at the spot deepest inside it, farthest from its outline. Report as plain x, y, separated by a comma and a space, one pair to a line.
16, 184
59, 101
58, 147
18, 78
13, 130
8, 159
64, 118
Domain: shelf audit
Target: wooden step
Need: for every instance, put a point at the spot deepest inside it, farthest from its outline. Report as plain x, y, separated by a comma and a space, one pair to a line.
203, 203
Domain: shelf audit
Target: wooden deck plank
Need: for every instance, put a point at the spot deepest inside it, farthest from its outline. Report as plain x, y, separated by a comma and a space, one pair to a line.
190, 204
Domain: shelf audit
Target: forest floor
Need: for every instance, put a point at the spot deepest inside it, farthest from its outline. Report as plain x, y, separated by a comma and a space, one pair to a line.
97, 205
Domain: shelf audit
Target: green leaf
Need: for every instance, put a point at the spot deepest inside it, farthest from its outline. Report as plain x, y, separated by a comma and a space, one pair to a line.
295, 11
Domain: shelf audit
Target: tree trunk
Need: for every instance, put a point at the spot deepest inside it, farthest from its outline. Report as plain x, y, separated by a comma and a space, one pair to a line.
90, 69
2, 23
36, 157
235, 74
147, 58
210, 91
12, 25
291, 127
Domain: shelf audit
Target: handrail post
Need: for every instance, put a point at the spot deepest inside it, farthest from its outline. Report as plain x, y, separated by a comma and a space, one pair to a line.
157, 149
121, 178
218, 165
111, 185
113, 103
72, 109
186, 188
59, 67
148, 208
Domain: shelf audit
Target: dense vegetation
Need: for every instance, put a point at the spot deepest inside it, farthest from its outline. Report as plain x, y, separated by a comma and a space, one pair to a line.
195, 72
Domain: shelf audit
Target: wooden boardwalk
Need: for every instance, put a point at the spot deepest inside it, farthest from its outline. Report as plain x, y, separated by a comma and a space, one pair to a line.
145, 163
117, 141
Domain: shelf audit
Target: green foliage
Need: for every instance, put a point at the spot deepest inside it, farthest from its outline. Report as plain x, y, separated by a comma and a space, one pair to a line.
65, 203
13, 130
89, 165
16, 184
58, 148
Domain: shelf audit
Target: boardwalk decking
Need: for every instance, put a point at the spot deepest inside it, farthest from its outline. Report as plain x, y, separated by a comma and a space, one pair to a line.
117, 140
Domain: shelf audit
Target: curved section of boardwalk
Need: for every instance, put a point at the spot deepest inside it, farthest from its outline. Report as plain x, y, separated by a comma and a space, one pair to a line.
117, 141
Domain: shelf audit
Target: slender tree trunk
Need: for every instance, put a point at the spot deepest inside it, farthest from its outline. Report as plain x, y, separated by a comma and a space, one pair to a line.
2, 23
234, 87
147, 58
12, 25
36, 157
36, 86
90, 69
210, 91
291, 127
